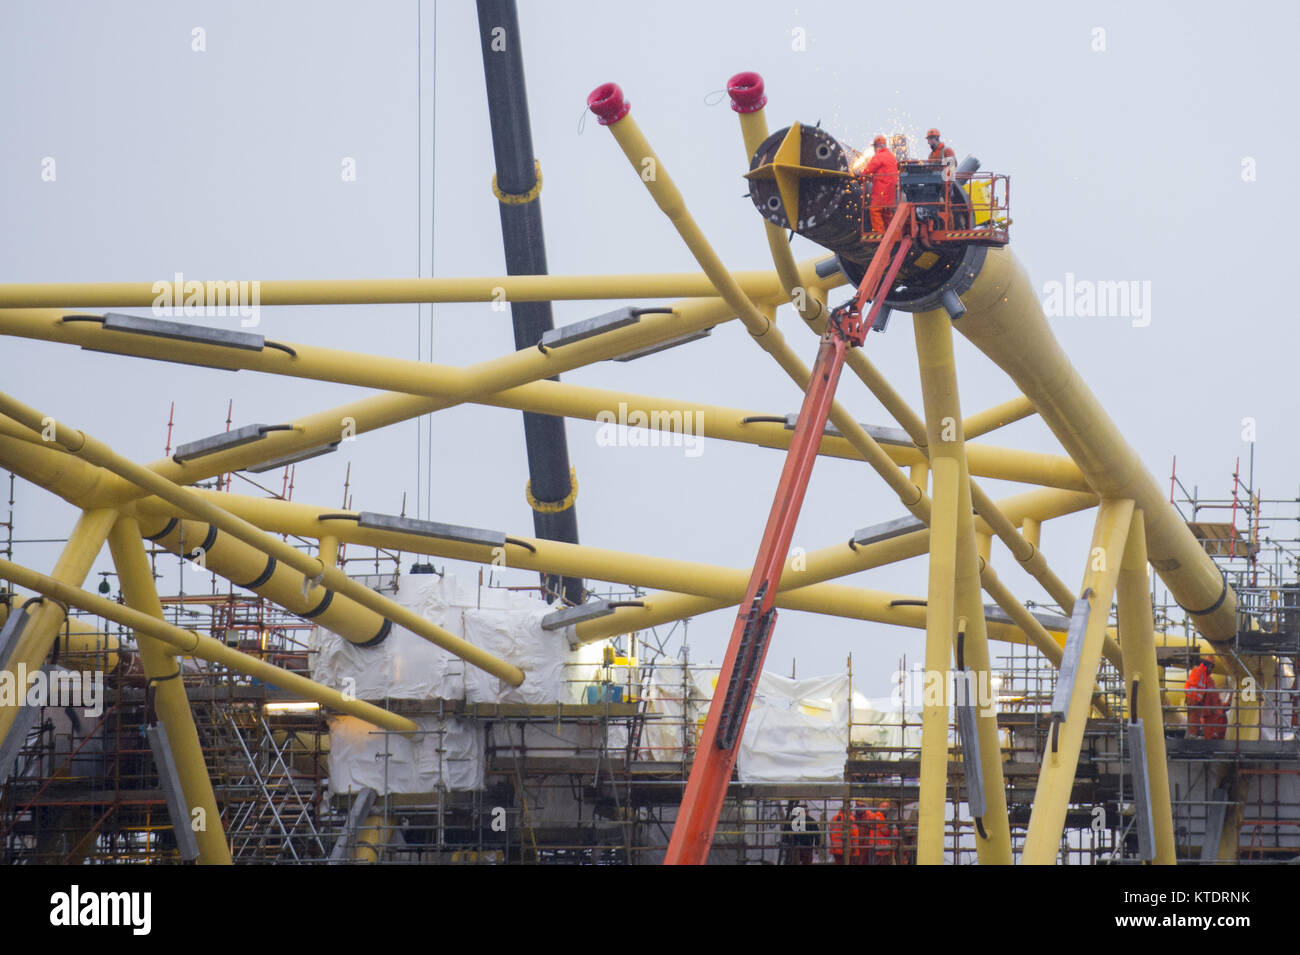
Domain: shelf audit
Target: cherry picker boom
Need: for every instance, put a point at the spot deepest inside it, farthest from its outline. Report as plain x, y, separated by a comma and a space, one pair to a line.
715, 755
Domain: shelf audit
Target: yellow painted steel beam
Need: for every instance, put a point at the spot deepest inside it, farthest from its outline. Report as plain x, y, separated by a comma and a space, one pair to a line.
1137, 640
943, 431
490, 288
666, 195
542, 397
1027, 554
44, 623
80, 645
56, 469
162, 670
1061, 758
374, 836
809, 305
205, 648
467, 384
77, 481
314, 570
990, 419
819, 565
245, 565
1004, 319
940, 620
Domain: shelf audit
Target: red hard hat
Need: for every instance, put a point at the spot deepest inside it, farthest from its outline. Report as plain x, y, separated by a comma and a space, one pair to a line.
932, 132
880, 141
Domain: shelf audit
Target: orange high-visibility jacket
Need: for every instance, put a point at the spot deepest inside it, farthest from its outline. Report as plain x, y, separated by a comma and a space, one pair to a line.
882, 170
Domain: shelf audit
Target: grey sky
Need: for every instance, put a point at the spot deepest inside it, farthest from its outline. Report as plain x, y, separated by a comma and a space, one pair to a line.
1126, 164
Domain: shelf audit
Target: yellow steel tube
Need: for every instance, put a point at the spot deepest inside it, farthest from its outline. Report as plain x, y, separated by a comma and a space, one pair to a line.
753, 128
45, 622
489, 288
542, 397
943, 431
80, 645
800, 589
1005, 321
1137, 640
939, 622
1060, 761
55, 469
173, 708
244, 565
205, 648
95, 451
990, 419
764, 331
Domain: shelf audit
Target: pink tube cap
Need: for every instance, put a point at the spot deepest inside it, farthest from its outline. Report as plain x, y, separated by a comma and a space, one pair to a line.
607, 102
746, 91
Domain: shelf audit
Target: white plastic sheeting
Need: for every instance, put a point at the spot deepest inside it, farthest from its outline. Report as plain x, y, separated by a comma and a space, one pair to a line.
450, 753
408, 667
887, 725
798, 730
447, 753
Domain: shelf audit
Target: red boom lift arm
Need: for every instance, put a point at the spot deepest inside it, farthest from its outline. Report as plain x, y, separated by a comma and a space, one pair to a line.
715, 756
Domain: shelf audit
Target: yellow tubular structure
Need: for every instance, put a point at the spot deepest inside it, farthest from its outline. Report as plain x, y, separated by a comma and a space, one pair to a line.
80, 646
753, 128
943, 429
250, 568
373, 837
510, 288
57, 471
939, 621
1005, 321
762, 329
1061, 758
162, 670
990, 419
1137, 639
542, 397
205, 648
313, 569
46, 620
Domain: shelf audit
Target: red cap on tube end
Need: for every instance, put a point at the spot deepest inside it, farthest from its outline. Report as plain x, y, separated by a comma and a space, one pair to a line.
746, 91
607, 102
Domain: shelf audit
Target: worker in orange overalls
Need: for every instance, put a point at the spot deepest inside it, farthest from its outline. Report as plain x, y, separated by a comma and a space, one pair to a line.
880, 838
882, 172
845, 837
1207, 711
939, 150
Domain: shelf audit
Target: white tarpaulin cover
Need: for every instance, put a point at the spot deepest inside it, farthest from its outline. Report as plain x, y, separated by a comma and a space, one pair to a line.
798, 730
407, 667
448, 752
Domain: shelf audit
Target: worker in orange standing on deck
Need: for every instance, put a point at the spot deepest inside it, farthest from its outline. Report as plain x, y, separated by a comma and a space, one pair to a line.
1207, 711
845, 837
879, 838
882, 172
939, 150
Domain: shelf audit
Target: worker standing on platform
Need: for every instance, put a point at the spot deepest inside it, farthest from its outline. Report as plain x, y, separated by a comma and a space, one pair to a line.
1207, 710
882, 172
845, 836
939, 150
